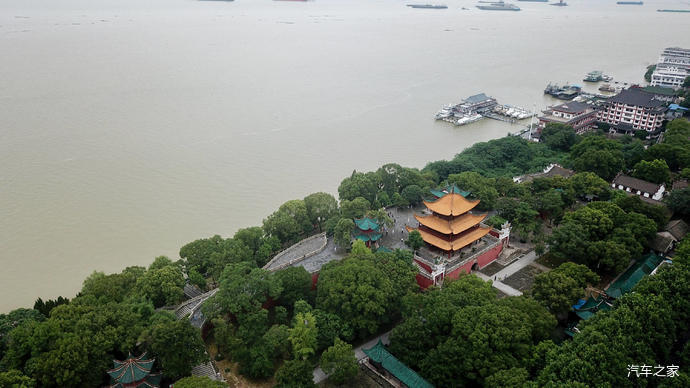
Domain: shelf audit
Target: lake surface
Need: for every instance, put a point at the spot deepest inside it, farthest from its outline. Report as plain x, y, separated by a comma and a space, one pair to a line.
131, 127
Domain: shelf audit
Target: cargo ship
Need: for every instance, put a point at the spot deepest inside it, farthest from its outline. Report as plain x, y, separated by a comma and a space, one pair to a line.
429, 6
560, 4
629, 3
499, 6
535, 1
673, 10
594, 76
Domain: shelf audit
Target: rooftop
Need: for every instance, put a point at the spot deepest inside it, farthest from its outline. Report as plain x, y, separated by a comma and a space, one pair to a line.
677, 228
636, 97
659, 90
457, 225
628, 279
636, 184
477, 98
572, 107
367, 223
457, 243
451, 204
407, 376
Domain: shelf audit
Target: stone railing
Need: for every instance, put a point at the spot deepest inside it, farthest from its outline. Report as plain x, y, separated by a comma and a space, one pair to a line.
286, 251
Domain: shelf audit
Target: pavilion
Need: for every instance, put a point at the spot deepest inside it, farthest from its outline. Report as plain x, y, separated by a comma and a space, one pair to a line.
134, 372
368, 230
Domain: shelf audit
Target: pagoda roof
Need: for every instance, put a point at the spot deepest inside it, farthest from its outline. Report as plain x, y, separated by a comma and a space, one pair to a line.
449, 189
451, 204
455, 226
367, 223
455, 244
133, 370
369, 237
407, 376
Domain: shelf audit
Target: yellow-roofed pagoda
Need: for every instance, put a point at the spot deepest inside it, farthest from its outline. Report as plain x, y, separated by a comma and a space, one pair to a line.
455, 239
450, 226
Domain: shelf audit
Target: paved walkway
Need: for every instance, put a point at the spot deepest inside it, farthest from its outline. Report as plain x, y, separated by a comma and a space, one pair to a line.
504, 288
329, 253
300, 249
523, 261
319, 374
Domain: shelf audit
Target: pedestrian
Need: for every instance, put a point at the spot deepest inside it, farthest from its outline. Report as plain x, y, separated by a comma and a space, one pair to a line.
494, 278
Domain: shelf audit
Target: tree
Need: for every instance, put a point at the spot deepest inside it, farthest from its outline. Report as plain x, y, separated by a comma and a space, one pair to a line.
178, 347
296, 283
303, 336
588, 184
598, 155
15, 379
331, 326
197, 279
560, 288
343, 232
558, 136
413, 194
480, 187
506, 378
243, 289
355, 208
484, 340
164, 286
648, 73
655, 171
679, 202
295, 374
357, 291
357, 185
339, 362
320, 207
414, 240
199, 252
199, 382
113, 287
289, 223
278, 338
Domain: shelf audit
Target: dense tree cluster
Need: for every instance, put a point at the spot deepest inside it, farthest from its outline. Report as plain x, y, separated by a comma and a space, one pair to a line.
462, 334
602, 236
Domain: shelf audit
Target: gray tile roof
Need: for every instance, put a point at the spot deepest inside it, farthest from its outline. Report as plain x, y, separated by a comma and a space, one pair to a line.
636, 97
572, 107
636, 184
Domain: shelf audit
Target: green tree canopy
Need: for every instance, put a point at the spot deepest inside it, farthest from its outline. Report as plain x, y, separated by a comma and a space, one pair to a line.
655, 171
339, 362
289, 223
559, 137
199, 382
303, 336
560, 288
598, 155
177, 345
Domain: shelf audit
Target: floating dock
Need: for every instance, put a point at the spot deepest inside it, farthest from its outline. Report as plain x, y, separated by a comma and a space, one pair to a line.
475, 108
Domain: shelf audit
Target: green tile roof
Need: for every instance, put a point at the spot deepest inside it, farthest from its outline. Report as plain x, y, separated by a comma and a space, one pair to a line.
367, 223
449, 189
407, 376
628, 279
133, 370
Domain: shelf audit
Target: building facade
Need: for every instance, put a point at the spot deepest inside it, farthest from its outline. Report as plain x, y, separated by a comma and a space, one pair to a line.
575, 114
633, 109
672, 68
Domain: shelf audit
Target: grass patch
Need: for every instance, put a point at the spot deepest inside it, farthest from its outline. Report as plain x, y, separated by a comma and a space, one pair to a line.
551, 261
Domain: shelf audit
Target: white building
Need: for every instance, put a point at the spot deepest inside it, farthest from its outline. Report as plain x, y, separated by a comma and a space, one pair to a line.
673, 67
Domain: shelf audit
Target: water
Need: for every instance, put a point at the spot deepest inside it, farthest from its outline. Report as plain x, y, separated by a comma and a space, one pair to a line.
131, 127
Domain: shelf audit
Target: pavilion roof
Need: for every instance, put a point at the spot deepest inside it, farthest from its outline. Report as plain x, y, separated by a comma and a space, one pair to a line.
369, 237
455, 226
628, 279
455, 244
407, 376
451, 204
132, 370
367, 223
453, 188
